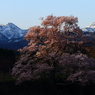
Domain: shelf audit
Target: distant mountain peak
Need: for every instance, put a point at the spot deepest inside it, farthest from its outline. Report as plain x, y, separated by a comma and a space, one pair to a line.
11, 31
12, 37
10, 24
89, 28
92, 25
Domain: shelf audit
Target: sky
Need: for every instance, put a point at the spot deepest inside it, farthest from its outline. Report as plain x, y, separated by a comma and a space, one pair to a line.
26, 13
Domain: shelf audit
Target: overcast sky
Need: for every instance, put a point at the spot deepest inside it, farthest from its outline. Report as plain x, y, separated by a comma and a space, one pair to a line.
26, 13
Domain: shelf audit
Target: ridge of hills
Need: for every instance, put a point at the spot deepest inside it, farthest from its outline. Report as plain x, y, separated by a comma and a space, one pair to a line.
12, 37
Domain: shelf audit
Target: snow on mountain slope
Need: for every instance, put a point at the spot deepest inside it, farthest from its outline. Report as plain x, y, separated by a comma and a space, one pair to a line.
92, 25
89, 28
12, 37
11, 31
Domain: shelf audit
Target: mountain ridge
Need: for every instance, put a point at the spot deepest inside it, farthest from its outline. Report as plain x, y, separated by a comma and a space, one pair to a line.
10, 31
89, 28
12, 37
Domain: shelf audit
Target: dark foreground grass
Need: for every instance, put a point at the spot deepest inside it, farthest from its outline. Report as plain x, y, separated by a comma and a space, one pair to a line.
44, 87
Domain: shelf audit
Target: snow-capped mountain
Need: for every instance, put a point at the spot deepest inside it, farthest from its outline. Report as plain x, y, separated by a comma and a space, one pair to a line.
89, 32
92, 25
11, 31
12, 37
89, 28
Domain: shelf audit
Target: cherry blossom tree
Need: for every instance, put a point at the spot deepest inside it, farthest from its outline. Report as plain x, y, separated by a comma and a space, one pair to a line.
60, 33
50, 52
